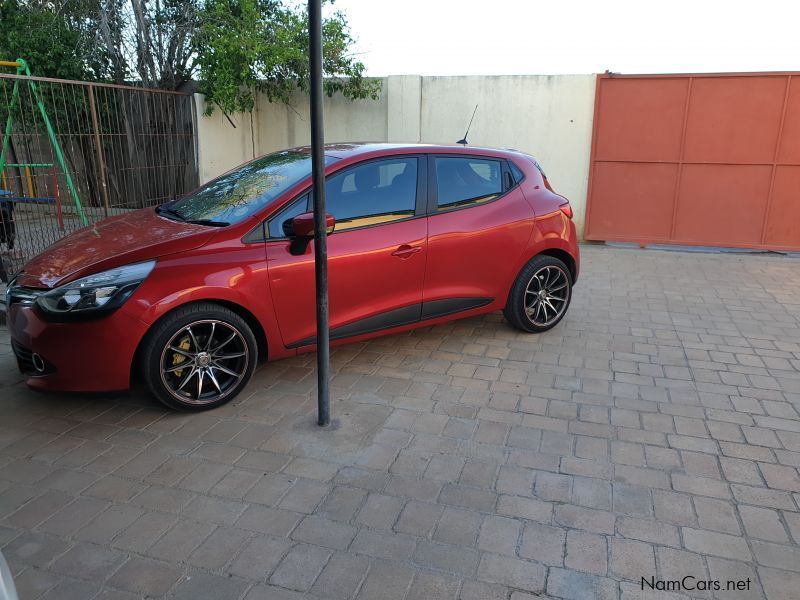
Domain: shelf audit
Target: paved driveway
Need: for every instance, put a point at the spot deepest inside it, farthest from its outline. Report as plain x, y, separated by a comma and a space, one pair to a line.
653, 434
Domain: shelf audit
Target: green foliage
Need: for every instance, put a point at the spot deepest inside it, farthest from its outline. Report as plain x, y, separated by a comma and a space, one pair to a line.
237, 47
248, 46
54, 43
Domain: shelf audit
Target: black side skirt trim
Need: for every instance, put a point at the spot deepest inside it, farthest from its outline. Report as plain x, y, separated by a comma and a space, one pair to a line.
386, 320
449, 306
400, 316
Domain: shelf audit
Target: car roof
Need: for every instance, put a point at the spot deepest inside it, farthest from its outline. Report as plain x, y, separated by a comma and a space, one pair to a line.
349, 150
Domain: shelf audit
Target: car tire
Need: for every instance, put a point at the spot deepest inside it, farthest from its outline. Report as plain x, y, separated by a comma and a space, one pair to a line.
540, 295
198, 357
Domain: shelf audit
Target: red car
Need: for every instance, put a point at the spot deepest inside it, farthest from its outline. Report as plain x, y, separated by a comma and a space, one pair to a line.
195, 292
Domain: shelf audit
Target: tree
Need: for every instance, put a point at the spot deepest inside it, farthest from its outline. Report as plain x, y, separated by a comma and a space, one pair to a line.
235, 47
57, 43
248, 46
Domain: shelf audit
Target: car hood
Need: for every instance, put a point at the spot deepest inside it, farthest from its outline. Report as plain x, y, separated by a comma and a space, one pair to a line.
135, 236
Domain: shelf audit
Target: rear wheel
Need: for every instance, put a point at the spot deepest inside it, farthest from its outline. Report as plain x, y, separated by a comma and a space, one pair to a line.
199, 357
540, 295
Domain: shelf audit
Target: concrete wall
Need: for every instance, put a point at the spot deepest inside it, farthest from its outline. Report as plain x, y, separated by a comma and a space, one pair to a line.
549, 116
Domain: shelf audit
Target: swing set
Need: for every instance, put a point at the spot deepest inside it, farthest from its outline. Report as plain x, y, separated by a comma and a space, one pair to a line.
6, 195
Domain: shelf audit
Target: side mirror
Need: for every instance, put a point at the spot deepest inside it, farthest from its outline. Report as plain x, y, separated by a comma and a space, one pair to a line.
302, 226
300, 231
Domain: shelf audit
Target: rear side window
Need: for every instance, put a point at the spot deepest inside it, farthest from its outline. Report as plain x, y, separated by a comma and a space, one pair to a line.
467, 181
373, 193
516, 172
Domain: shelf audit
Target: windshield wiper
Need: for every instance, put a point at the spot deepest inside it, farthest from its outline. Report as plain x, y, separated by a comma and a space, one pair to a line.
170, 212
209, 222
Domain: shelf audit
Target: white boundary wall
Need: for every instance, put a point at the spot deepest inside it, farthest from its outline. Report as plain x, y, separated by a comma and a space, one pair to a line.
549, 116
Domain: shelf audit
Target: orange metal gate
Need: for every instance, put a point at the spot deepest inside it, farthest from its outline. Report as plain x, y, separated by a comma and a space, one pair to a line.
709, 160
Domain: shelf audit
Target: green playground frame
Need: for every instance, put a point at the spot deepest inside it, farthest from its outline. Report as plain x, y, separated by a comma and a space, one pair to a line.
22, 69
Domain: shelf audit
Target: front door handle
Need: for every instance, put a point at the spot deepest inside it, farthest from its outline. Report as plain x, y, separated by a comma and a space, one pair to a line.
406, 251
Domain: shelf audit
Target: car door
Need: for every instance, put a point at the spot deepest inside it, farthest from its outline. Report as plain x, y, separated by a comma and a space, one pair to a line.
477, 226
376, 253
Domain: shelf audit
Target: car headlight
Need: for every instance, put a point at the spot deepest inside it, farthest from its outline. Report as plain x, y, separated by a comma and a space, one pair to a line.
95, 294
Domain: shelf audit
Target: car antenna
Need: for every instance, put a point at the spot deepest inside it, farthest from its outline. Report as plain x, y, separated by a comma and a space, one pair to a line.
463, 141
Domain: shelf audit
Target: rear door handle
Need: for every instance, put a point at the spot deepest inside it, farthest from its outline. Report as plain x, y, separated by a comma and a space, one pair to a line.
406, 251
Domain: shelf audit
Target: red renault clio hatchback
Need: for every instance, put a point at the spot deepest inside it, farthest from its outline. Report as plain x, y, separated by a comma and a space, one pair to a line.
195, 292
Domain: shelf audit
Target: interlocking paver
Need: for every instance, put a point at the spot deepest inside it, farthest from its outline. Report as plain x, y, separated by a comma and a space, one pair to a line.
654, 432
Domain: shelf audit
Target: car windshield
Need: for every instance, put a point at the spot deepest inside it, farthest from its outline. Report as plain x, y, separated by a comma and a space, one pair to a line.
242, 192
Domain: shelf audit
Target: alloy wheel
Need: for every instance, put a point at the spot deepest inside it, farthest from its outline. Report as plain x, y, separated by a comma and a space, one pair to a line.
546, 295
204, 361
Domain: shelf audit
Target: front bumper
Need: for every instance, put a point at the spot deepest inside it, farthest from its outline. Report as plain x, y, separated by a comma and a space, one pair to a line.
80, 356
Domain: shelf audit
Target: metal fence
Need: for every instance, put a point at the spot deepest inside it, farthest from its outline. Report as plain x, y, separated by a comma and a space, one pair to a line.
123, 148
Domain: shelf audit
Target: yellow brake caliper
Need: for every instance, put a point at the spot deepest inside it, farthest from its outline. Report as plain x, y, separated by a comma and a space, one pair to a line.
177, 358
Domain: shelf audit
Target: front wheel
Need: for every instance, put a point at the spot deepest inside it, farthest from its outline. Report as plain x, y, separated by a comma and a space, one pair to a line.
540, 295
199, 357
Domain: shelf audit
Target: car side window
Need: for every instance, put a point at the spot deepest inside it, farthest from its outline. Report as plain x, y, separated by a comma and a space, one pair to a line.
373, 193
275, 225
462, 181
516, 171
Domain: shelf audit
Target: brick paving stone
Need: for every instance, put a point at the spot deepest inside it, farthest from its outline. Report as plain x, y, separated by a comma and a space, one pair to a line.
88, 561
32, 583
218, 548
457, 527
674, 564
141, 576
258, 559
433, 587
419, 518
648, 530
763, 523
777, 555
143, 532
34, 549
323, 532
208, 586
273, 521
716, 544
499, 535
73, 516
515, 573
717, 515
341, 577
588, 519
779, 585
543, 544
553, 487
573, 585
71, 589
300, 567
586, 552
468, 497
451, 559
525, 508
380, 511
631, 559
381, 544
386, 581
179, 542
727, 570
304, 496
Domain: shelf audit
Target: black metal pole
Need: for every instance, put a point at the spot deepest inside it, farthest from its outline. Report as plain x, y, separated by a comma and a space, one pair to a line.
320, 220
